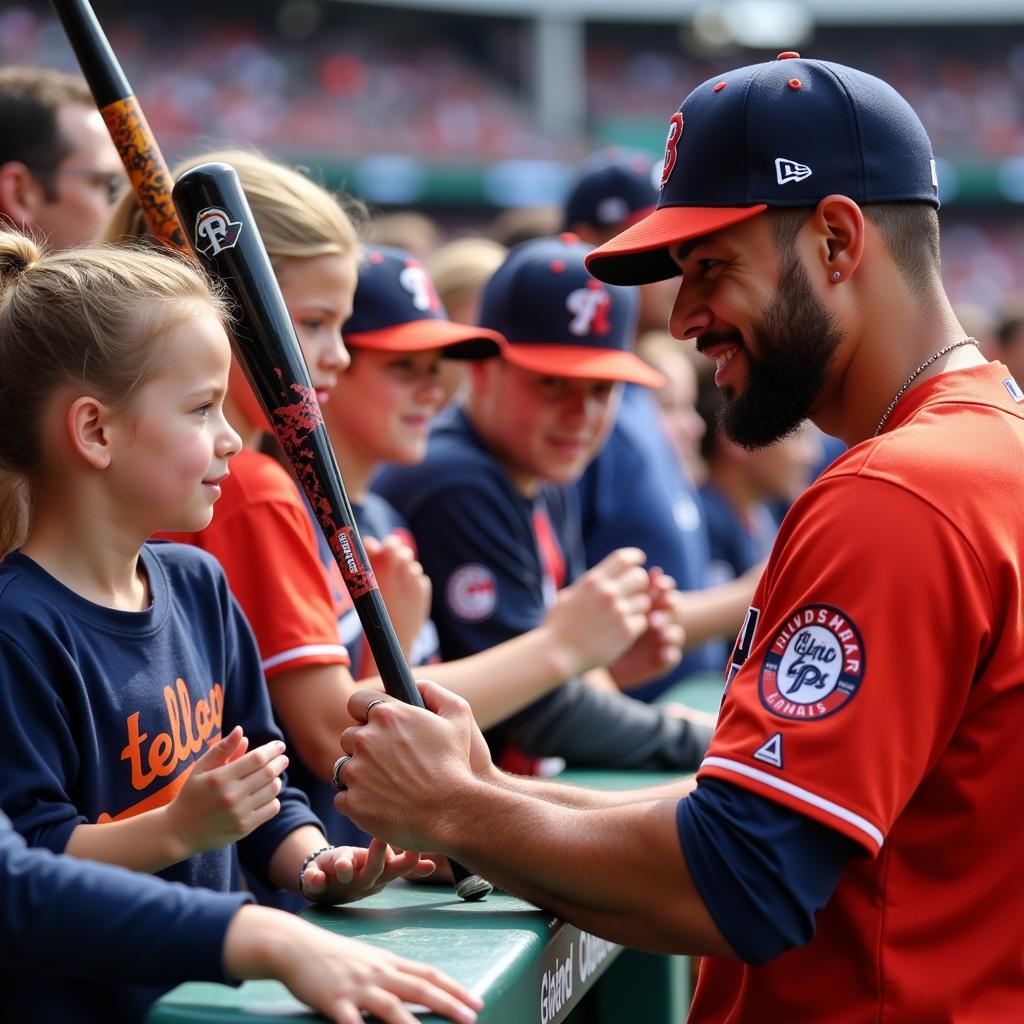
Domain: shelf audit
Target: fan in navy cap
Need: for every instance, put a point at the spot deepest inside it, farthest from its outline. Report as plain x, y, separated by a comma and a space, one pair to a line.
559, 320
496, 524
612, 191
851, 848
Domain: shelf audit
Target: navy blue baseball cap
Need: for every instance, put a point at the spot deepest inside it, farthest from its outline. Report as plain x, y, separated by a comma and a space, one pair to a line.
611, 192
397, 309
560, 321
780, 134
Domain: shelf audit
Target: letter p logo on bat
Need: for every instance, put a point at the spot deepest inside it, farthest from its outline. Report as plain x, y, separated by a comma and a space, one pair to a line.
217, 230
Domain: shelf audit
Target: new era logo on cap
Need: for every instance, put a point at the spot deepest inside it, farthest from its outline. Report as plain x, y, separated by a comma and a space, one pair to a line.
790, 170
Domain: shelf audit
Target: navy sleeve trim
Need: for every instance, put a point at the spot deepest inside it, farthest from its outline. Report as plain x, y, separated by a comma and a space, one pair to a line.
762, 870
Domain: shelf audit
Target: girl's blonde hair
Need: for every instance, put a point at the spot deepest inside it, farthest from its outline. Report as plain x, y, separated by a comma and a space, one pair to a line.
84, 318
297, 219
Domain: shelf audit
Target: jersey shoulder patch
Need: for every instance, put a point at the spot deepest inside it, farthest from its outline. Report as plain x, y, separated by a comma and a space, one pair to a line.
814, 664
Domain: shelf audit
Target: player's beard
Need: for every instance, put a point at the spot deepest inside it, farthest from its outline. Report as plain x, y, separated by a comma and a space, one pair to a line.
795, 341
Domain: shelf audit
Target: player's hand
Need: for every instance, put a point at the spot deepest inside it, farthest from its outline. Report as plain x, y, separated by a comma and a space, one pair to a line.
660, 646
404, 586
409, 768
348, 873
601, 614
336, 976
229, 793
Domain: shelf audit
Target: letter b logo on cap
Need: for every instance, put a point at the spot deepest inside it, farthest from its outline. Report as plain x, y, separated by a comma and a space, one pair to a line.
675, 132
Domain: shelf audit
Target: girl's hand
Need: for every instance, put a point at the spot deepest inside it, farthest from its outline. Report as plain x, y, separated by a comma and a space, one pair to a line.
347, 873
228, 794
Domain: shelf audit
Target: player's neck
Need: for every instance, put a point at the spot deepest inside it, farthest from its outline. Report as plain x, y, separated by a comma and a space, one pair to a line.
97, 558
881, 353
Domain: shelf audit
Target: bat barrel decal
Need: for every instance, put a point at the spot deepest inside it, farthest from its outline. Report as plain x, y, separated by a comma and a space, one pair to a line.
221, 230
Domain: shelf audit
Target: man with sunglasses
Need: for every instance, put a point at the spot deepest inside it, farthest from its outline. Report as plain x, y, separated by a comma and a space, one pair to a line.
58, 168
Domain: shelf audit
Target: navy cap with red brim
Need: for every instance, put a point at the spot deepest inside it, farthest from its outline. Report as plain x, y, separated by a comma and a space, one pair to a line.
582, 363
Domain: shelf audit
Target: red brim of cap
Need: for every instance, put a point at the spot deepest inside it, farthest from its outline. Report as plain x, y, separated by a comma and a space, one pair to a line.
640, 254
583, 363
459, 341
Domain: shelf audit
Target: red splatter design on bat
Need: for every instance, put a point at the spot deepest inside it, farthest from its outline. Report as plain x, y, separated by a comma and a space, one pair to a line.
296, 424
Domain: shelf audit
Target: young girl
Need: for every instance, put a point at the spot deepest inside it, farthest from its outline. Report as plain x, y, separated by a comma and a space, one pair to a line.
122, 663
277, 562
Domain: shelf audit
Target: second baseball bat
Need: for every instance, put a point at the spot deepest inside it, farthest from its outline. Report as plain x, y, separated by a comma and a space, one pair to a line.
222, 232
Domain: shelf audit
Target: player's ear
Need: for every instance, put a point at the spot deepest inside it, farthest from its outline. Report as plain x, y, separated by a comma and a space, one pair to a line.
89, 429
838, 237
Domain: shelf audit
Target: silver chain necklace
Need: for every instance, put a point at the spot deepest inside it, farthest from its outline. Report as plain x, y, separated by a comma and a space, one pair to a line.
910, 380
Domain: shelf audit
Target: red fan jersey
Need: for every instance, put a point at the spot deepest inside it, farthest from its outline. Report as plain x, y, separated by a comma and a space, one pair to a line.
878, 687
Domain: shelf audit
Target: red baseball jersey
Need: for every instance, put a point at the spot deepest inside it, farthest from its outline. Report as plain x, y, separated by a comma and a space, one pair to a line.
878, 687
264, 538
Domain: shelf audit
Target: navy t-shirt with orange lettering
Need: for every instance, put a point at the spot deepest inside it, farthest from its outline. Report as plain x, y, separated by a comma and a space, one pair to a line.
104, 713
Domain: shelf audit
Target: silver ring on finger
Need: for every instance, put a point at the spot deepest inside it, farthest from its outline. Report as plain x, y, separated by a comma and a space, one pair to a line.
336, 773
372, 704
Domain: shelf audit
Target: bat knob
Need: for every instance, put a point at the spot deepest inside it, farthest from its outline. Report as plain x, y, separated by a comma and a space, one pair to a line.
473, 888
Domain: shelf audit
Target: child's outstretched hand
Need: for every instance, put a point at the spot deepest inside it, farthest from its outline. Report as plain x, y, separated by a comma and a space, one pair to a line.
230, 793
347, 873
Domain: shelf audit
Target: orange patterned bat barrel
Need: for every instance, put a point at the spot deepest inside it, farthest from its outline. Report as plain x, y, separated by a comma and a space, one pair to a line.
125, 121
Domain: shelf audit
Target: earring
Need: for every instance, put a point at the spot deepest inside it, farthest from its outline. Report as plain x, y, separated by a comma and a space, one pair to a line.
835, 275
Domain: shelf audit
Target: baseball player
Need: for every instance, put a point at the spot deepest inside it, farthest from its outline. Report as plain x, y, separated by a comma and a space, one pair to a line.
496, 521
850, 851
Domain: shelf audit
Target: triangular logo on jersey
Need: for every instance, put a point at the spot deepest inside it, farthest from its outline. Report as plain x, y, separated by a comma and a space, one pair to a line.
790, 170
771, 751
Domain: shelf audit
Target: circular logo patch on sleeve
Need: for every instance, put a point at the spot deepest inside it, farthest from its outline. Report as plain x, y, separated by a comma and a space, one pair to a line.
814, 664
472, 592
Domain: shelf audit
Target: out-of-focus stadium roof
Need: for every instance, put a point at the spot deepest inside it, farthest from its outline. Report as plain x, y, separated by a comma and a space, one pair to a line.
824, 12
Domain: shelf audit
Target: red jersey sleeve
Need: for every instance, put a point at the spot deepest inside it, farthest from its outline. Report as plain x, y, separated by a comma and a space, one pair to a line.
839, 697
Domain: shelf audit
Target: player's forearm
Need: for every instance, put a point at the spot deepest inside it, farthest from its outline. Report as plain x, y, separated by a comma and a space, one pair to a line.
618, 872
145, 842
587, 798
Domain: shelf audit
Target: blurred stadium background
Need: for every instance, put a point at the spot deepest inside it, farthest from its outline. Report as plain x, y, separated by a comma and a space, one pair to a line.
462, 108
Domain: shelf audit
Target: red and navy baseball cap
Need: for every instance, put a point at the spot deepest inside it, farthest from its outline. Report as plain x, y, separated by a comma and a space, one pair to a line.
560, 321
397, 309
612, 191
784, 133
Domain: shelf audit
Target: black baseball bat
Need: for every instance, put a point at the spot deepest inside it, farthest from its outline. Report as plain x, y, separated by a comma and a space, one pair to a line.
124, 118
222, 232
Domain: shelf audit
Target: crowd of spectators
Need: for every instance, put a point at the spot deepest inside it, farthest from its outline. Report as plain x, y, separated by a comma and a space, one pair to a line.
318, 83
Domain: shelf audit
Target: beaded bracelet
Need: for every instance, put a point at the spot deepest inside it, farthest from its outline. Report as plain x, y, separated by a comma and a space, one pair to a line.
305, 864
